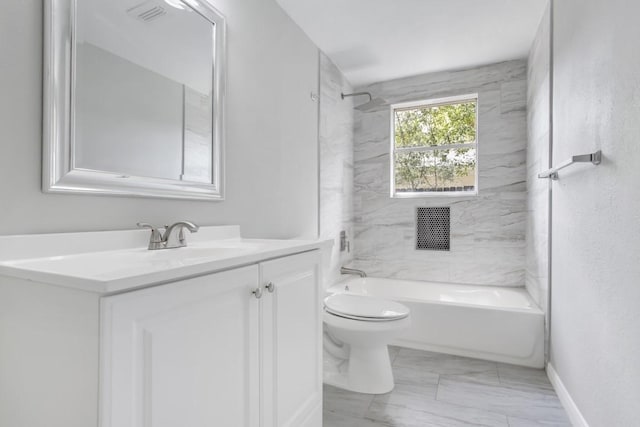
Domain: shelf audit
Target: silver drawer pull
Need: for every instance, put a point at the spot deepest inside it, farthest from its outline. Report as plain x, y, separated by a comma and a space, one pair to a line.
270, 287
257, 293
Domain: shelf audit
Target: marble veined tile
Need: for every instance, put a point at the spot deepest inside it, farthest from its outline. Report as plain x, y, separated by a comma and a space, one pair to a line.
512, 401
409, 376
488, 274
494, 163
489, 376
336, 143
334, 419
488, 231
521, 375
538, 134
405, 270
409, 396
538, 116
538, 61
433, 413
454, 82
393, 352
521, 422
345, 402
514, 96
435, 389
412, 387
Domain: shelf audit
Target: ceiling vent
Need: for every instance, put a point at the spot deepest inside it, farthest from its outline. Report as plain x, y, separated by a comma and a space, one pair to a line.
147, 11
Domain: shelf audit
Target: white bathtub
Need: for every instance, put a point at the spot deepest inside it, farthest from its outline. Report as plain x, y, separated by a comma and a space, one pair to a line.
493, 323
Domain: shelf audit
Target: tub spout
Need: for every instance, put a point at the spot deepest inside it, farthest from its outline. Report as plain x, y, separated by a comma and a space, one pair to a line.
347, 270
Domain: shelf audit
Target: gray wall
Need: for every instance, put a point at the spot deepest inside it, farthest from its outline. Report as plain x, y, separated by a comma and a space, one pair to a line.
336, 163
595, 334
538, 140
488, 230
125, 113
271, 119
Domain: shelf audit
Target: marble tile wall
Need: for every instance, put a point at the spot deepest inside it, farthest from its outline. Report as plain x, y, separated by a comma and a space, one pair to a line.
538, 131
488, 230
336, 163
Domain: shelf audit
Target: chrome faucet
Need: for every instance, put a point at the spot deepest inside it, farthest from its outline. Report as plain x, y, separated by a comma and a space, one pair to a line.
168, 239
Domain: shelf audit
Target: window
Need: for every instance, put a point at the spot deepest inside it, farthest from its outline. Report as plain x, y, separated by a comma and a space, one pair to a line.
434, 147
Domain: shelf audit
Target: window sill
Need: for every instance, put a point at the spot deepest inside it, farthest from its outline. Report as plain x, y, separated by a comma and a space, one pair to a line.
436, 195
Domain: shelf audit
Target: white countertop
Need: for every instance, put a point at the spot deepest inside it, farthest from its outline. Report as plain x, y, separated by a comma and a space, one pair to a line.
112, 261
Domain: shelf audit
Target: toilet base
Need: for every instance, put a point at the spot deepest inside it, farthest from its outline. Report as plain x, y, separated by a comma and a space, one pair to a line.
360, 353
368, 370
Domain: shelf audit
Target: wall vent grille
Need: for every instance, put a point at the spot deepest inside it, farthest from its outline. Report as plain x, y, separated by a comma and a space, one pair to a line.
433, 229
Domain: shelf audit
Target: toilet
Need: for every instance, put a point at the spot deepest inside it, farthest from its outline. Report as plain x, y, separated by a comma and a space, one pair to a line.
357, 330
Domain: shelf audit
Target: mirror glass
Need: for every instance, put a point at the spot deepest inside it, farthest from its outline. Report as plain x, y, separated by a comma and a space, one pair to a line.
145, 102
144, 73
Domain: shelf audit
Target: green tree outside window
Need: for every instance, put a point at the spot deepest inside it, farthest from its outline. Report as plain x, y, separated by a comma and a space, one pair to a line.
435, 147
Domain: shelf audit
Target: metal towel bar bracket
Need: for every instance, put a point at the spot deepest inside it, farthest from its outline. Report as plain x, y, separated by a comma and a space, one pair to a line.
593, 158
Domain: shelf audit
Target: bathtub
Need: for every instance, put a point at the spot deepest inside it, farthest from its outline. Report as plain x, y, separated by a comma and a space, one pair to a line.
485, 322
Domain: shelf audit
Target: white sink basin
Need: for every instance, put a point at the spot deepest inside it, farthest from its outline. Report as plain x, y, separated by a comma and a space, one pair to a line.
185, 254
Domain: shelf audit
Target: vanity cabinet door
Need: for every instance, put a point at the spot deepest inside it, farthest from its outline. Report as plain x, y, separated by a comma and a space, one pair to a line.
291, 337
182, 354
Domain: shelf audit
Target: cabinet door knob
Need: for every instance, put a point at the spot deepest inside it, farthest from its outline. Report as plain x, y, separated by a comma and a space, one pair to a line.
270, 287
257, 293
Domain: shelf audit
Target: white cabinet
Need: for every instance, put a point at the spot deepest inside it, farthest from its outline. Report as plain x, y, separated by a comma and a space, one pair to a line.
208, 352
182, 354
291, 328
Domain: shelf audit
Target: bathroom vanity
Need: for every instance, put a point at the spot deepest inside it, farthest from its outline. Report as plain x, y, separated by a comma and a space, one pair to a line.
96, 330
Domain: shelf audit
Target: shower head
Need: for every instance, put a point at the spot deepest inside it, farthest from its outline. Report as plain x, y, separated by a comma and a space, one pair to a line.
367, 106
371, 105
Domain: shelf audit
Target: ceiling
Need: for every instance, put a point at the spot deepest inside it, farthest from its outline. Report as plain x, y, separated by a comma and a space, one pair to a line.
378, 40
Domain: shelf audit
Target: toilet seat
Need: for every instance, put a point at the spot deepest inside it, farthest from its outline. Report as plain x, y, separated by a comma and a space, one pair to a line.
364, 308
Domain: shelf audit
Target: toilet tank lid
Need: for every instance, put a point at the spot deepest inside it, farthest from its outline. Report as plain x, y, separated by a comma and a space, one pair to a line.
365, 307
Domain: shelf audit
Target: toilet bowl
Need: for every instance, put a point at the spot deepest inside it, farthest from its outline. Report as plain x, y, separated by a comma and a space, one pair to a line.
357, 330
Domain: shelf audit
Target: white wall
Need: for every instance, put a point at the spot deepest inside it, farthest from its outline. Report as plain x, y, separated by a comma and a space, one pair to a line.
336, 164
595, 331
271, 144
487, 231
538, 143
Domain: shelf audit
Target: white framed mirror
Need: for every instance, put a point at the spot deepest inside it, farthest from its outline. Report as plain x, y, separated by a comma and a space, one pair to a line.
134, 98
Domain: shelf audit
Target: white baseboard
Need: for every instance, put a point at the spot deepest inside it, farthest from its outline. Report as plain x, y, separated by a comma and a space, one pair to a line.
575, 416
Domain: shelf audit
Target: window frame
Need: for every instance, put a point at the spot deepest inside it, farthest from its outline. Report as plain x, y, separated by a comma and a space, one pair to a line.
434, 102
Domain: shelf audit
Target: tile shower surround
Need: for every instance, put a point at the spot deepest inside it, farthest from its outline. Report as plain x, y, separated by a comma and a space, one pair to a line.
538, 130
488, 230
336, 163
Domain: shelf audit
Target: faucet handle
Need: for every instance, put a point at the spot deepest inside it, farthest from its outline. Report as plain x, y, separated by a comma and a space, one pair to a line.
156, 236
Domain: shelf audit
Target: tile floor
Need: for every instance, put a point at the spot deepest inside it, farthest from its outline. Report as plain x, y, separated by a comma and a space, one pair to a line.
434, 389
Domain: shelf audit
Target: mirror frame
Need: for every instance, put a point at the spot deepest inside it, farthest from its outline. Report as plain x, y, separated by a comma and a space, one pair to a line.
58, 172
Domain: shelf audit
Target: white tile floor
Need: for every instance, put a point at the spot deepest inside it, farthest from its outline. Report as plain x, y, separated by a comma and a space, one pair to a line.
435, 389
